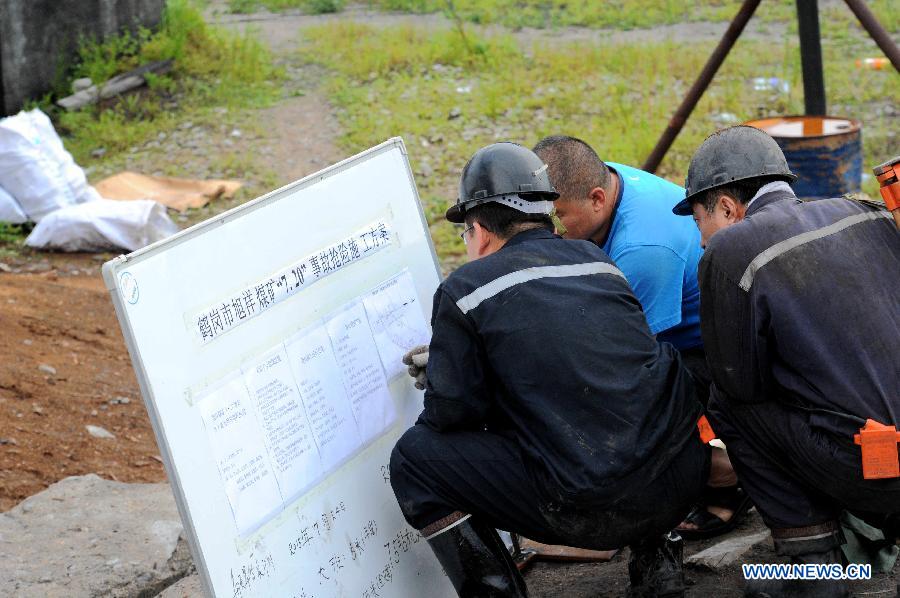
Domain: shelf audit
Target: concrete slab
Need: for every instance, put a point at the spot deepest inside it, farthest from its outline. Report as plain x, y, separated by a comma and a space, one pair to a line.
726, 552
86, 536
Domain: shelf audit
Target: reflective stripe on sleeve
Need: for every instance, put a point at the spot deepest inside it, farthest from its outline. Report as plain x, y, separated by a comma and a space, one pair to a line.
783, 247
474, 299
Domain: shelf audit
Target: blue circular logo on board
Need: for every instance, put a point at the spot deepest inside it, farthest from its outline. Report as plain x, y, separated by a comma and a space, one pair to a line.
129, 287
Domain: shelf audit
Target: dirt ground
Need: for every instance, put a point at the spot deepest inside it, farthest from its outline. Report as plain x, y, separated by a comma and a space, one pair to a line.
596, 580
55, 311
64, 365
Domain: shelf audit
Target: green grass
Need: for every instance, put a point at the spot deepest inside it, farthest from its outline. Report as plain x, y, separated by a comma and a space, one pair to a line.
315, 7
405, 81
617, 14
12, 237
623, 14
212, 68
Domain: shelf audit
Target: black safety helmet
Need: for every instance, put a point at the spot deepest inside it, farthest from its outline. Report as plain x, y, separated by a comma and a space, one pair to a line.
732, 154
506, 173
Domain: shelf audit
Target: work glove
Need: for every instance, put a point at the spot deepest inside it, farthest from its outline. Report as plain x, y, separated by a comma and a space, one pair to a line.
417, 360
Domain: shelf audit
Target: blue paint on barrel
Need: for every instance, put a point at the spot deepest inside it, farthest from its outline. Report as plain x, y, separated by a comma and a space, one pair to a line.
824, 152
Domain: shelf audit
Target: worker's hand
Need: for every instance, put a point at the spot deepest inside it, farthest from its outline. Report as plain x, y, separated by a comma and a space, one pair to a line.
417, 360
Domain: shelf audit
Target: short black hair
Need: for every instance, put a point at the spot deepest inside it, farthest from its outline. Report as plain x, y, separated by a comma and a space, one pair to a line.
742, 191
573, 165
505, 221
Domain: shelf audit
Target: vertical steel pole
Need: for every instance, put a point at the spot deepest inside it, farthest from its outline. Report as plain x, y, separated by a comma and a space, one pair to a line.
811, 57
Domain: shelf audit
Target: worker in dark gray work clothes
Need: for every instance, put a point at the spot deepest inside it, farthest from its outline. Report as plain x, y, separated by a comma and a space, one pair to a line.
628, 213
800, 317
549, 410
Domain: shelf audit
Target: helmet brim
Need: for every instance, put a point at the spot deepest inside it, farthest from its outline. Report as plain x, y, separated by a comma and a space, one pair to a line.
455, 214
685, 206
538, 203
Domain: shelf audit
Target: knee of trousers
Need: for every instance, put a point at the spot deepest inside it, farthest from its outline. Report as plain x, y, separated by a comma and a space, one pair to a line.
407, 479
399, 464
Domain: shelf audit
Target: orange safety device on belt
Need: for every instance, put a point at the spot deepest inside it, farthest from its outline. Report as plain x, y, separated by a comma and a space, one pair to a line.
706, 431
879, 450
888, 177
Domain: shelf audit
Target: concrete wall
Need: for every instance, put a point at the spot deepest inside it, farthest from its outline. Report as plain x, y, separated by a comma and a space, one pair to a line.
38, 38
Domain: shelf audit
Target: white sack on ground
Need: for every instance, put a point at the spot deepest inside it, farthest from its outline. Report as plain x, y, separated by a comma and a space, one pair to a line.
10, 210
36, 169
103, 225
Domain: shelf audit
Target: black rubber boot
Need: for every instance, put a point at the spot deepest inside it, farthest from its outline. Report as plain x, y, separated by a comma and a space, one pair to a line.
477, 561
655, 567
818, 544
796, 588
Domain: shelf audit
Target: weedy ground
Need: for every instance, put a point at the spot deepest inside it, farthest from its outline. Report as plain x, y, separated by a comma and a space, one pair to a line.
450, 92
612, 14
477, 78
211, 69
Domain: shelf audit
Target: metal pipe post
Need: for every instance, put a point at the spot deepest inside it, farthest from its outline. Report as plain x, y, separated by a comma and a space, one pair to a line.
811, 57
878, 33
696, 92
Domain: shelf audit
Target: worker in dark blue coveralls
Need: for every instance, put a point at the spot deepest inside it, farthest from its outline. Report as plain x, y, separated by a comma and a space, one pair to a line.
800, 315
549, 410
628, 213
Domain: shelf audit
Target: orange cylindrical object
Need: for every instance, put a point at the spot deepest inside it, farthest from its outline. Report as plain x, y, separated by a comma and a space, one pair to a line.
876, 64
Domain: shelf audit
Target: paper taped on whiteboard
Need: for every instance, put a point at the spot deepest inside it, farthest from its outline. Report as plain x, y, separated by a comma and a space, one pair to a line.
300, 410
393, 309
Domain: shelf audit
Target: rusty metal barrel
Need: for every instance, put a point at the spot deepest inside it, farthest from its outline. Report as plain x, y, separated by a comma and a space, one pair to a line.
825, 152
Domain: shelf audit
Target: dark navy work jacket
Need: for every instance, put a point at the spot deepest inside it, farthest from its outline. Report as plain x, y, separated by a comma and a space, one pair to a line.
800, 303
544, 342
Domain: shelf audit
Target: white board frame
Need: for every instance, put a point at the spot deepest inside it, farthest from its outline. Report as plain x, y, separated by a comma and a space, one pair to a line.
111, 273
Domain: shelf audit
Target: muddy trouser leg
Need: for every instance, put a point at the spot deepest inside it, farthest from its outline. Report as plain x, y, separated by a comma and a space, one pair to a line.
435, 475
694, 360
722, 490
799, 475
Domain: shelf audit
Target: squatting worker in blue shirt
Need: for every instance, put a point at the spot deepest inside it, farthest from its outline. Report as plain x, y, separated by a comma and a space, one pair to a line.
549, 409
628, 213
801, 324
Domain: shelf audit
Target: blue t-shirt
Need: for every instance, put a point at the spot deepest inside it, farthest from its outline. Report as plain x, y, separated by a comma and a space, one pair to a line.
658, 253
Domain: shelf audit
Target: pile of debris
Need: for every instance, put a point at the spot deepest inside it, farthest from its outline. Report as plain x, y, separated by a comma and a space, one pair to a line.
40, 182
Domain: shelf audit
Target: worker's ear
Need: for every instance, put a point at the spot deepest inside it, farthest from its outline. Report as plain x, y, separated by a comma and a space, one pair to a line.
481, 238
732, 209
598, 198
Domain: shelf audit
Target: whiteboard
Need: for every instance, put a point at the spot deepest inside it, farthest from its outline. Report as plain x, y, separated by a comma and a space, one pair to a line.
265, 342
